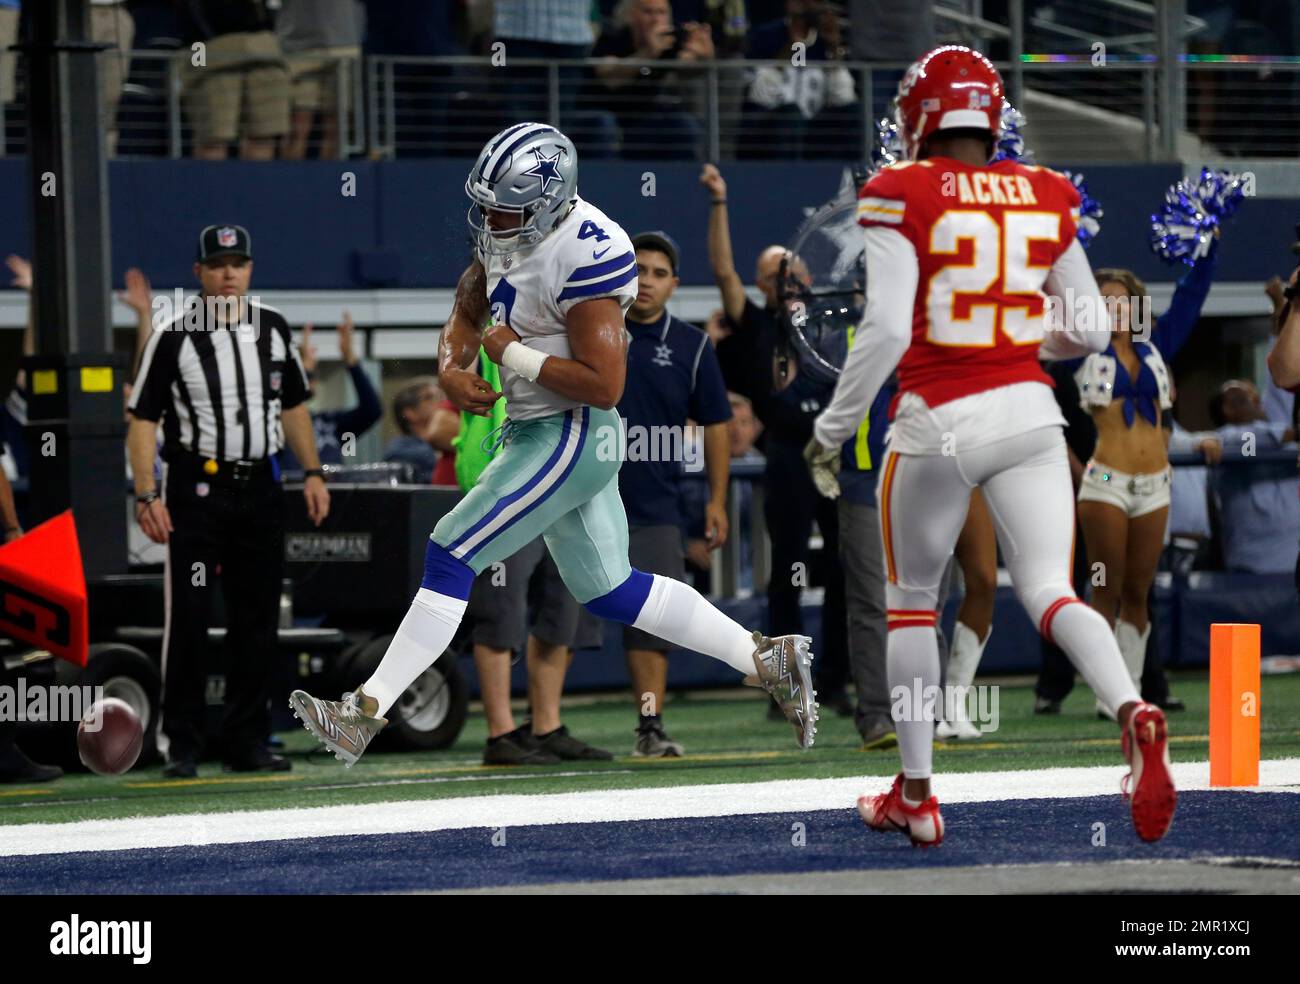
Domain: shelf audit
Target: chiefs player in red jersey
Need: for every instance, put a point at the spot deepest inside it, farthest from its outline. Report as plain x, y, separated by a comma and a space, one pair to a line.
961, 256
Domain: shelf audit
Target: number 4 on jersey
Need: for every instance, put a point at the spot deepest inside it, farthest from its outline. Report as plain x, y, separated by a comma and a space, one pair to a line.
590, 229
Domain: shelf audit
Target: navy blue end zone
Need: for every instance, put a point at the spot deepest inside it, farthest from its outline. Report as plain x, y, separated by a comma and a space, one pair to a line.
1209, 824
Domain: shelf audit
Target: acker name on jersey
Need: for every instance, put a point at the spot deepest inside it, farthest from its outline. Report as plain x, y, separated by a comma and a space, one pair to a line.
587, 256
985, 239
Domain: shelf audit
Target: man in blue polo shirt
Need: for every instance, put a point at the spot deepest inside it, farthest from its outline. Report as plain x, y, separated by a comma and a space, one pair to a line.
672, 376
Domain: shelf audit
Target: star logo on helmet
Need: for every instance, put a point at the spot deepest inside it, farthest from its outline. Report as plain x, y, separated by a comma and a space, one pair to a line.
546, 170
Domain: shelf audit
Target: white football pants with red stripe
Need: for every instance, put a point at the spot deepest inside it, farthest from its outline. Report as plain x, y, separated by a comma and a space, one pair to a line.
923, 503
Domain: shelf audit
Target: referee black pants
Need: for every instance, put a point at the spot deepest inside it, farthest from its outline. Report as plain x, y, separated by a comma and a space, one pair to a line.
230, 533
792, 503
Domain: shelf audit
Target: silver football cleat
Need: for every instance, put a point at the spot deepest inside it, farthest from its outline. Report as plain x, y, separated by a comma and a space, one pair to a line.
341, 726
784, 670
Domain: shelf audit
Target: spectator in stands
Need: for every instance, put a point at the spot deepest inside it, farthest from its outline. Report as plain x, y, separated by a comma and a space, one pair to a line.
111, 23
652, 104
672, 375
756, 362
416, 409
1056, 677
552, 30
802, 108
888, 31
1189, 530
1259, 504
238, 90
436, 109
337, 430
743, 429
322, 40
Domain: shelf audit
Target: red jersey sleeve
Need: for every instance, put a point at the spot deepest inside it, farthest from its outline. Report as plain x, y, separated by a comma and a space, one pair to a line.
882, 201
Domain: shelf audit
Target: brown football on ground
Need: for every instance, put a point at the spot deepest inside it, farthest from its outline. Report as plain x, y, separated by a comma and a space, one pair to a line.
109, 737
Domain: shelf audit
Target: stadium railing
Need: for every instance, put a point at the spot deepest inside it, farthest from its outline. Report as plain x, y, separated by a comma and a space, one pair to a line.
1078, 109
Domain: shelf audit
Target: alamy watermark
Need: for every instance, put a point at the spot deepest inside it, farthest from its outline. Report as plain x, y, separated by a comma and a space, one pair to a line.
920, 702
659, 442
179, 311
41, 704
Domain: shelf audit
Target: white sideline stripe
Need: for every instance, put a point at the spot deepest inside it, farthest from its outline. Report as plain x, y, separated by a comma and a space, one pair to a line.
522, 810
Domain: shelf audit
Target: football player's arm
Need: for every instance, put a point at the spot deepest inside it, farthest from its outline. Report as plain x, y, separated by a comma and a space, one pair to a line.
883, 337
459, 343
1084, 325
598, 369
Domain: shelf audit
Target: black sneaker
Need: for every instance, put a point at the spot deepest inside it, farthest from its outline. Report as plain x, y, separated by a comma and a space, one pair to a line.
1172, 703
1045, 705
564, 746
17, 767
653, 742
181, 768
517, 747
257, 759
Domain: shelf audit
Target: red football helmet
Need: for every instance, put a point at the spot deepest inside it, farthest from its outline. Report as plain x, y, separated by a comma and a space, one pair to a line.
948, 88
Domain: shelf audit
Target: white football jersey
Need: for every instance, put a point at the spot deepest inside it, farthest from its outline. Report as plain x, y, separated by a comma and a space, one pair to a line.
585, 257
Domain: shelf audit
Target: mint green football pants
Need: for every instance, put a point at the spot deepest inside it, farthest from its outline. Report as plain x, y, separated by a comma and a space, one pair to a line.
557, 476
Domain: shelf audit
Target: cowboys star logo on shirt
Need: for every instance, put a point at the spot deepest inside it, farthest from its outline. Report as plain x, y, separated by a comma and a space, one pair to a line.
227, 236
663, 356
547, 169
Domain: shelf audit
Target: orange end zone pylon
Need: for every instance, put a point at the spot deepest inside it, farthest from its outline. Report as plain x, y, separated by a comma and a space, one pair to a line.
1234, 705
43, 590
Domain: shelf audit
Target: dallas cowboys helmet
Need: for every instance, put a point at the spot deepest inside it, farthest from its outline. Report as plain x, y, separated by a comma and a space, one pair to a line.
531, 169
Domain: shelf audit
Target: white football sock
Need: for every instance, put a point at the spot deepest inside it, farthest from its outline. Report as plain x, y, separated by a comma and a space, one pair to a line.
1133, 647
424, 635
678, 613
912, 663
1086, 638
963, 660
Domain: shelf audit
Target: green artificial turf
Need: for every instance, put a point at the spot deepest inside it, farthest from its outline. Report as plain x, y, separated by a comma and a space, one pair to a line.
727, 737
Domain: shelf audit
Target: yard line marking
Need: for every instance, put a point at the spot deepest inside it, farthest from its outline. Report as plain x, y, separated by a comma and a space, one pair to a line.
590, 806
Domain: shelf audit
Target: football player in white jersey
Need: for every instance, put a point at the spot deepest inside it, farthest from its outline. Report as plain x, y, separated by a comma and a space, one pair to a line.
554, 275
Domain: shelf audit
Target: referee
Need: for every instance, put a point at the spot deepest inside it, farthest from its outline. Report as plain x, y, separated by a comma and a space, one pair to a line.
225, 382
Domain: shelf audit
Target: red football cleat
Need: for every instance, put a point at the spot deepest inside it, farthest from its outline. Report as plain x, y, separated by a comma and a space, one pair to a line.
886, 812
1149, 786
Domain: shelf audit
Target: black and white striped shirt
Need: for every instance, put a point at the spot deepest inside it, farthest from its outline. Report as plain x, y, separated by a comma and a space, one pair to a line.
219, 392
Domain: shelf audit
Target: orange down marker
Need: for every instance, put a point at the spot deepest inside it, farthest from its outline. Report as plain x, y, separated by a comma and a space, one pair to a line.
1234, 705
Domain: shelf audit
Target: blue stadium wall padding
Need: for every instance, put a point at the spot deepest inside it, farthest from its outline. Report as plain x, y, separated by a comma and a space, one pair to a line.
405, 224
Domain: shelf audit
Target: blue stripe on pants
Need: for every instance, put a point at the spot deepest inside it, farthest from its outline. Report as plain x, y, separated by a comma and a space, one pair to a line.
506, 501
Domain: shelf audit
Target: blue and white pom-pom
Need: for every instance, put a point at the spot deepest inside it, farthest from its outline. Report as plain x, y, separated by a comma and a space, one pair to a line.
1089, 210
1011, 142
1183, 229
888, 148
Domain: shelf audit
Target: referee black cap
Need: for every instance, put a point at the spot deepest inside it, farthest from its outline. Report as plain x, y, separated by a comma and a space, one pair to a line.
224, 240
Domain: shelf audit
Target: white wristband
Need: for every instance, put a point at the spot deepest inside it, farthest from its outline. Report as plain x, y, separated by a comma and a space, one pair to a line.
527, 362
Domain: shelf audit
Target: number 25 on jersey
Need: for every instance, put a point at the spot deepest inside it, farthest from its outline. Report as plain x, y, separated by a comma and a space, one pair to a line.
1000, 288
